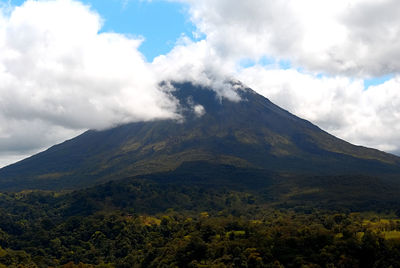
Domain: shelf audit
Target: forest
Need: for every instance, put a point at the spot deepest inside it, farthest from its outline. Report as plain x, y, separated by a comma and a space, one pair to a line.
139, 224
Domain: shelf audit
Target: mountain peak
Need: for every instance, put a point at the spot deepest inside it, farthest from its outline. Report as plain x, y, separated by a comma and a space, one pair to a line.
247, 132
198, 99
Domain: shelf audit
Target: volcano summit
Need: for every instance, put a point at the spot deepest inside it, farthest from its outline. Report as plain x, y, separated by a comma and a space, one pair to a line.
251, 137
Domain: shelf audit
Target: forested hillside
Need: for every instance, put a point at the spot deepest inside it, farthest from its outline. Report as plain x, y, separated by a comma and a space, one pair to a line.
252, 135
243, 184
137, 223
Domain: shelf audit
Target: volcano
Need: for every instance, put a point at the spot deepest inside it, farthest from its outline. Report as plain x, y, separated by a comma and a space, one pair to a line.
215, 140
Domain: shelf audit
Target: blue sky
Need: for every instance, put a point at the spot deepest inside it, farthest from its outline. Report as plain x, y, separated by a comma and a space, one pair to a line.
160, 23
374, 81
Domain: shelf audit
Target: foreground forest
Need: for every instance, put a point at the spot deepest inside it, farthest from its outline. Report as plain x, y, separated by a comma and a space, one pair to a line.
137, 224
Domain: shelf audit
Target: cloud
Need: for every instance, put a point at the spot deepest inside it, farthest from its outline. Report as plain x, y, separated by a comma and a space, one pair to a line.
347, 37
199, 63
59, 76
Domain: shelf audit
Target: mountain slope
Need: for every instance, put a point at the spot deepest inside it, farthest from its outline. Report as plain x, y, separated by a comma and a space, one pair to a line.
252, 135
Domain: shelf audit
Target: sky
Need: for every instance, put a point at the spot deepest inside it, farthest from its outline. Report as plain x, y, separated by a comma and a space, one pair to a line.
67, 65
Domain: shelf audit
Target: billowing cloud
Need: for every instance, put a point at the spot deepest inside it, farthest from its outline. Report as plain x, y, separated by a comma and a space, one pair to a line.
59, 76
347, 37
199, 63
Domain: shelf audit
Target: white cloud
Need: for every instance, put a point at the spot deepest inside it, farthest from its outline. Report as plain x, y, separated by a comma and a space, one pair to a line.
346, 37
199, 63
199, 110
59, 75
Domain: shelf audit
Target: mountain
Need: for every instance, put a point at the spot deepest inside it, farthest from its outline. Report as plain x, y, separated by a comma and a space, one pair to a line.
251, 142
228, 184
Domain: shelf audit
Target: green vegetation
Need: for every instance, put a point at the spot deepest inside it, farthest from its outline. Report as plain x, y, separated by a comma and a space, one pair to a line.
245, 185
139, 223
